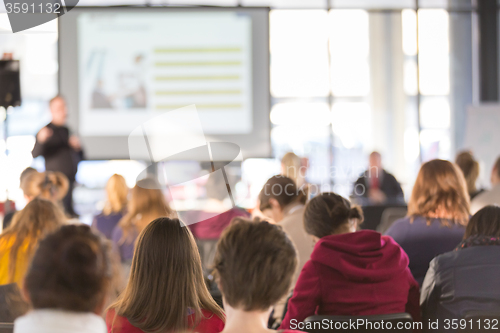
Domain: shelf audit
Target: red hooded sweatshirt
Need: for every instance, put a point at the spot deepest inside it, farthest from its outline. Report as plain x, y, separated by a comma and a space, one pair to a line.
360, 273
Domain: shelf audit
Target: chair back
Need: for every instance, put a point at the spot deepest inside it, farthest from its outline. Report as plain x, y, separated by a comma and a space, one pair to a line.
397, 322
389, 216
6, 327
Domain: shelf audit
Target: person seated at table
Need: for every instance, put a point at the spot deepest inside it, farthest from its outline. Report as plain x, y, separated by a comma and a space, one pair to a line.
377, 186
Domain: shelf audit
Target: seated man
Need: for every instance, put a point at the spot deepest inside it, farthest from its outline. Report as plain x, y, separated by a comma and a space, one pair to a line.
254, 266
377, 186
491, 197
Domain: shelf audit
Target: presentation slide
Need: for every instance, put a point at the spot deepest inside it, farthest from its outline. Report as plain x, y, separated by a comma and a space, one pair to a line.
121, 67
133, 66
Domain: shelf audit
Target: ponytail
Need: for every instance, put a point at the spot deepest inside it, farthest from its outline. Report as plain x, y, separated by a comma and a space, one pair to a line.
328, 213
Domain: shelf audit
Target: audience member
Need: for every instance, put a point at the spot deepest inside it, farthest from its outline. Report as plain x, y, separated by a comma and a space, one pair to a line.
8, 217
47, 185
491, 197
350, 272
470, 167
61, 151
292, 166
284, 203
19, 241
437, 214
166, 291
67, 283
214, 217
115, 206
466, 279
146, 203
376, 185
254, 266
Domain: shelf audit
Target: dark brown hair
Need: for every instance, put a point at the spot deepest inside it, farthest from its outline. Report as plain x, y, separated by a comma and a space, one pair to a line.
486, 222
29, 225
254, 264
71, 270
440, 185
283, 189
166, 280
328, 213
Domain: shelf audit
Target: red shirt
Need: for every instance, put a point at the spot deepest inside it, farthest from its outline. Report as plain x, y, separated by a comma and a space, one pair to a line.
211, 323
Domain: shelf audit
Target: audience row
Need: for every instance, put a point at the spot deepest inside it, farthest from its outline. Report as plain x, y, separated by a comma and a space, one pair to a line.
302, 258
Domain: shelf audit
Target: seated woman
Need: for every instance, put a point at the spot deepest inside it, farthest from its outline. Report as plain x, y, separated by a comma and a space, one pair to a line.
19, 241
254, 266
115, 206
166, 291
147, 203
67, 283
350, 272
466, 279
437, 214
470, 168
50, 185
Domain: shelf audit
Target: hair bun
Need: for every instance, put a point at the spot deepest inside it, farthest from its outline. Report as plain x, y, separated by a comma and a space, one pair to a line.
80, 260
355, 212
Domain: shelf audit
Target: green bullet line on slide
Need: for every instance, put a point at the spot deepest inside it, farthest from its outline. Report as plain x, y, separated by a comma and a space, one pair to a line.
198, 50
197, 63
197, 78
200, 106
199, 92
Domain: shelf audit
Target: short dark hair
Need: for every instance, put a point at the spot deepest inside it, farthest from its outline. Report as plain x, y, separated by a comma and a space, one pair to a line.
486, 222
327, 213
254, 264
71, 270
283, 189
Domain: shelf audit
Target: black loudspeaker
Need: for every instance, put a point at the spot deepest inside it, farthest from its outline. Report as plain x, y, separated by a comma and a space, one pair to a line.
10, 83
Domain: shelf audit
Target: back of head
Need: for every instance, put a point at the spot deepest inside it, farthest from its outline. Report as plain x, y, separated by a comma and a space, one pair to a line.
470, 169
50, 185
496, 168
330, 213
440, 188
39, 218
291, 166
147, 203
71, 270
486, 222
283, 189
254, 264
117, 192
166, 279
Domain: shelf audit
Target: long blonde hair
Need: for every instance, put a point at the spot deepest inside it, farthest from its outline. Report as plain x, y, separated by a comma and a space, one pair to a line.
440, 186
166, 281
147, 203
50, 185
117, 192
39, 218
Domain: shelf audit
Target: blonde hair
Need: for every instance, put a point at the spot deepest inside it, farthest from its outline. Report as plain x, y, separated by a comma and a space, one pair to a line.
291, 164
117, 192
470, 167
440, 185
50, 185
147, 203
39, 218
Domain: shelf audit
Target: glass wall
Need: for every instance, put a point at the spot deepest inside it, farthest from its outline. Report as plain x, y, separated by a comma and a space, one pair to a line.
347, 77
